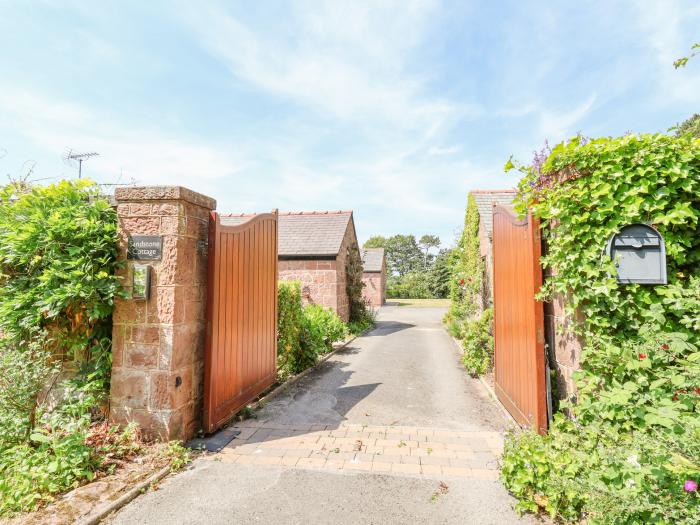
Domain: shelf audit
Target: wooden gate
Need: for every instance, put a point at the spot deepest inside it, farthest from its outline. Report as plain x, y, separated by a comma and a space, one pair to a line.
518, 318
241, 342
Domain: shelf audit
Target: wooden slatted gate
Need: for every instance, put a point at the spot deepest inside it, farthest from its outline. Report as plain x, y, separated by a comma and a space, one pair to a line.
241, 342
519, 319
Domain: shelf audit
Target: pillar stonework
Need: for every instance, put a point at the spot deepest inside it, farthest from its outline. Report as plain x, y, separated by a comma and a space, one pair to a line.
158, 343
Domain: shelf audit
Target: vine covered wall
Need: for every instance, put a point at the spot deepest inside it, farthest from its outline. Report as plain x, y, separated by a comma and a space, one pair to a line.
632, 450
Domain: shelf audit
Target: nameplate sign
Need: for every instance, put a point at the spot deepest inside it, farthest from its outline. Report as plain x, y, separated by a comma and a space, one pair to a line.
145, 247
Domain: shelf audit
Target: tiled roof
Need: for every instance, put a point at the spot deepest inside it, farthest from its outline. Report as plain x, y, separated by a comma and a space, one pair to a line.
372, 259
306, 234
484, 202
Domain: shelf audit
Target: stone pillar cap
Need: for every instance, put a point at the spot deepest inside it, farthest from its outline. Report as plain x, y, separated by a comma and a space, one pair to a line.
163, 193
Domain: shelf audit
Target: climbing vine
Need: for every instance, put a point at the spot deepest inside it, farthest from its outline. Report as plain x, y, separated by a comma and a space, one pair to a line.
467, 268
631, 454
361, 315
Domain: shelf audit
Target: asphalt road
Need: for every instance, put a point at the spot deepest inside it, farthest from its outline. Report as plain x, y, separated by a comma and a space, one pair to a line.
405, 373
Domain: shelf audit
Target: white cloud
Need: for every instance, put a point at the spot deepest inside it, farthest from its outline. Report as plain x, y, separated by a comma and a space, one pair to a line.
558, 125
127, 151
439, 151
345, 61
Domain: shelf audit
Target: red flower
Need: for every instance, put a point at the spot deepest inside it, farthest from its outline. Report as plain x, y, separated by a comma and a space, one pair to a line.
642, 356
665, 346
461, 281
675, 397
697, 391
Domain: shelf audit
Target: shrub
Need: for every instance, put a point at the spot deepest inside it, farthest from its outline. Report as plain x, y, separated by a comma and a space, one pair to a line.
58, 248
303, 332
290, 318
324, 327
414, 285
367, 320
478, 343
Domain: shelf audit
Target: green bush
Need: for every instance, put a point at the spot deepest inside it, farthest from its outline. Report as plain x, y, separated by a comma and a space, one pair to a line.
303, 332
633, 442
608, 476
323, 327
290, 321
478, 343
58, 248
414, 285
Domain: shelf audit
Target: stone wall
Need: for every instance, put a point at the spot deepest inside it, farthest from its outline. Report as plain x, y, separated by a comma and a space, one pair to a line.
318, 280
564, 347
349, 243
375, 287
158, 344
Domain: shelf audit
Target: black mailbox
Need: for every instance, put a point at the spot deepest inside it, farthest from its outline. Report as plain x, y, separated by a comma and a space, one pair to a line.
639, 254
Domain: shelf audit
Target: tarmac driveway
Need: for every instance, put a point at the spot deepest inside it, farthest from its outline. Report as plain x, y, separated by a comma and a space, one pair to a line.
389, 430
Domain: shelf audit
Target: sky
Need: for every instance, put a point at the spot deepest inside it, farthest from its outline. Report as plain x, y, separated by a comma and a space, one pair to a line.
393, 109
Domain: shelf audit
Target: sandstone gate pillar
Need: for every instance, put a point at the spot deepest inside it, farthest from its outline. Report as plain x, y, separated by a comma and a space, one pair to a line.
158, 343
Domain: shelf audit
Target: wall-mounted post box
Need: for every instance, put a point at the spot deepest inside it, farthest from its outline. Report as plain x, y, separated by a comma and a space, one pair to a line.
639, 253
141, 285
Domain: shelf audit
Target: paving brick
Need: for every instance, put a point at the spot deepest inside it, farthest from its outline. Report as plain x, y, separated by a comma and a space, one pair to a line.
484, 474
456, 471
248, 460
405, 469
443, 454
410, 460
359, 465
334, 464
289, 461
387, 459
430, 460
431, 470
268, 460
311, 462
380, 466
271, 452
297, 453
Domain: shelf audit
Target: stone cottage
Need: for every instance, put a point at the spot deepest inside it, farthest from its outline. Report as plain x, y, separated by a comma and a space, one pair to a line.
374, 276
314, 249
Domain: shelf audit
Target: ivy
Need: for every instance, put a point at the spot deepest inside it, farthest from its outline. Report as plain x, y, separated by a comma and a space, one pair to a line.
587, 192
467, 268
631, 450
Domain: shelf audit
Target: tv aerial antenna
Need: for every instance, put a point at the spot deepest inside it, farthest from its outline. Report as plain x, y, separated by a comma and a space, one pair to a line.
72, 157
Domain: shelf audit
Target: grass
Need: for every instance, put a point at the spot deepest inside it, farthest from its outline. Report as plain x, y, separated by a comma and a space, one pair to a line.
419, 303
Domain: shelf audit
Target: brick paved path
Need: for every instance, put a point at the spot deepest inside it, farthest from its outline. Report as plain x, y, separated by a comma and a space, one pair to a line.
394, 449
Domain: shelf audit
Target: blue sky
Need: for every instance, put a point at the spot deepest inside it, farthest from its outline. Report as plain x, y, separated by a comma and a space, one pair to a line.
394, 109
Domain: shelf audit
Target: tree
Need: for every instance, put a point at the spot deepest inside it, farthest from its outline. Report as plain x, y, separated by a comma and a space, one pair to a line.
403, 255
427, 242
690, 125
440, 274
